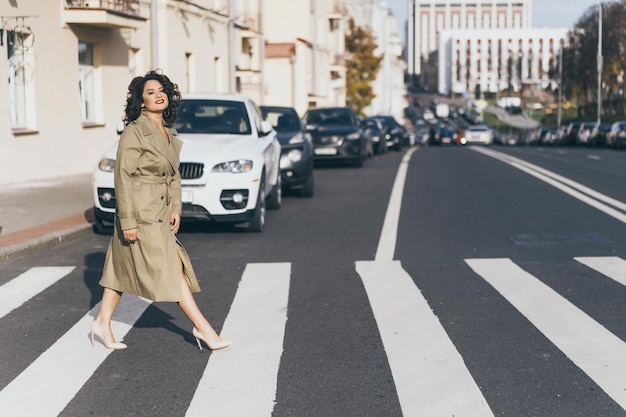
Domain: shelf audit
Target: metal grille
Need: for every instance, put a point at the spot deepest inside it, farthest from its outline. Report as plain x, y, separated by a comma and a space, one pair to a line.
190, 171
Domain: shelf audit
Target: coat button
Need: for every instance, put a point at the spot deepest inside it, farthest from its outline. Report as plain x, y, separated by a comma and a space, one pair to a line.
162, 197
163, 174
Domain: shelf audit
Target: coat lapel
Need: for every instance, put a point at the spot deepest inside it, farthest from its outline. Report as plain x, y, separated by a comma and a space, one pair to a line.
151, 130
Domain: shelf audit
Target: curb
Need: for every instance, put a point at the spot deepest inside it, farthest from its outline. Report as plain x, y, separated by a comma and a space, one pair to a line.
44, 242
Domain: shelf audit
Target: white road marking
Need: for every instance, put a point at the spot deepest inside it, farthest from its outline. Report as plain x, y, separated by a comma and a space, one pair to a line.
594, 157
595, 350
51, 381
564, 184
611, 266
389, 233
429, 373
241, 379
25, 286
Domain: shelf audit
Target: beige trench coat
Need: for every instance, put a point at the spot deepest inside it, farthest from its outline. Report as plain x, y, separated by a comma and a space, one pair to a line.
148, 190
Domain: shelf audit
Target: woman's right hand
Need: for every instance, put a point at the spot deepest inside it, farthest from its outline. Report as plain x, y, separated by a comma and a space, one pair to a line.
130, 235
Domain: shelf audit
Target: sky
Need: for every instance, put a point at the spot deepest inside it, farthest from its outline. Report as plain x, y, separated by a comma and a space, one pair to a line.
549, 13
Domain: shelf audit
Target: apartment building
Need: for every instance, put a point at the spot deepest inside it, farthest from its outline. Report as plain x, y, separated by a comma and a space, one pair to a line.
495, 60
389, 86
428, 18
69, 63
304, 65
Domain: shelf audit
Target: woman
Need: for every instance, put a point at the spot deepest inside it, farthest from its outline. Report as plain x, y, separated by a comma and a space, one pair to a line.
144, 257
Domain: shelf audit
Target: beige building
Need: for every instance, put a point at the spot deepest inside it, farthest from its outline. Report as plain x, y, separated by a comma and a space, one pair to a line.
304, 64
68, 65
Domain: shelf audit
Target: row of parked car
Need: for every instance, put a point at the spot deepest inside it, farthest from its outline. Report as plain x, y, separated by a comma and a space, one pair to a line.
238, 157
593, 134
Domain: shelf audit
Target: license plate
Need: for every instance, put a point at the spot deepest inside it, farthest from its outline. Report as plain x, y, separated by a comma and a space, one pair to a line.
325, 151
187, 196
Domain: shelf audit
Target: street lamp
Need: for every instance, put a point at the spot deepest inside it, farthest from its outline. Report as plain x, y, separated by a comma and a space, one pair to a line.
558, 115
599, 62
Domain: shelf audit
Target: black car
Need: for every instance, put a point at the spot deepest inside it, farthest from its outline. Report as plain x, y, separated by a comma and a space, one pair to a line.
442, 134
373, 128
396, 135
336, 135
296, 157
598, 136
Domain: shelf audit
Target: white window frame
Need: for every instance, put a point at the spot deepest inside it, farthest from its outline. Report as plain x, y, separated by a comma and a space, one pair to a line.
90, 108
21, 88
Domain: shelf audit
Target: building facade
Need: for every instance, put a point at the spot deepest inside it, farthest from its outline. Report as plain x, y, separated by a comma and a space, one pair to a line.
388, 88
304, 51
428, 18
497, 60
68, 64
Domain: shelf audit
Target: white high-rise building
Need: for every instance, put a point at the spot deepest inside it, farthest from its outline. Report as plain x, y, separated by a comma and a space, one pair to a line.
428, 18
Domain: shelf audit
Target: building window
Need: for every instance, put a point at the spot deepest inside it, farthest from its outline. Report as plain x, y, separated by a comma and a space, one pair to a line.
86, 82
20, 59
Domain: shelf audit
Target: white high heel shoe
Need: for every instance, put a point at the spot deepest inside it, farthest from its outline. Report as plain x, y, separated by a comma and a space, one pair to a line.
213, 346
96, 331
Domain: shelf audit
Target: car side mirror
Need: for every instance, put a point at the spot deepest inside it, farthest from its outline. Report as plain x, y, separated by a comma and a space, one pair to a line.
266, 128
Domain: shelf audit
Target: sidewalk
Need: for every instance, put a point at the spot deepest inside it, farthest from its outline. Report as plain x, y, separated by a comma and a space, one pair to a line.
41, 214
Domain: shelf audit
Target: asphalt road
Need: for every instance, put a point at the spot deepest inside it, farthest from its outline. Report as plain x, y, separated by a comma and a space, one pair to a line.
489, 305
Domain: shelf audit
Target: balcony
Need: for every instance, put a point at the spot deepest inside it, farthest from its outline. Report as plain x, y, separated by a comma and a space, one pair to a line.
114, 14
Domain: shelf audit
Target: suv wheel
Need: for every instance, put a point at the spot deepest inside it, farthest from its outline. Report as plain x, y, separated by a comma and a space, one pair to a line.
257, 223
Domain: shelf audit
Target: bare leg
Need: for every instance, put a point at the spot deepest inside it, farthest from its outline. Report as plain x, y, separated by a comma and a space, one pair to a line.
110, 300
190, 308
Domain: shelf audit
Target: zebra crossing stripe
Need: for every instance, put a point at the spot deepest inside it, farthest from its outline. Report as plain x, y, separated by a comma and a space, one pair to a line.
25, 286
241, 380
611, 266
595, 350
51, 381
429, 373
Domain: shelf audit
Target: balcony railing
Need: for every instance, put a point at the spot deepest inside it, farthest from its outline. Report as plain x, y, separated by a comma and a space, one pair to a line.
127, 7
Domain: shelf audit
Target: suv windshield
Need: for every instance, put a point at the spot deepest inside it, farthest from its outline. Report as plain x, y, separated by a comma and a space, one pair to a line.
283, 120
213, 116
330, 117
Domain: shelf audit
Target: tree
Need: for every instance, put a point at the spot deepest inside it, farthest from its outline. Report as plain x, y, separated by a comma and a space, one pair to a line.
362, 67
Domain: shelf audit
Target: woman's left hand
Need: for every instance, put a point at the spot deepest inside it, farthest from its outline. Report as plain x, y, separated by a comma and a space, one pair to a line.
175, 222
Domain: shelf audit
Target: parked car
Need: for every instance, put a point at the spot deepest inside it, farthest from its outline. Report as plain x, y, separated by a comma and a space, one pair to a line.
478, 134
571, 135
296, 158
373, 128
229, 164
442, 134
549, 136
598, 135
616, 137
396, 135
584, 131
336, 135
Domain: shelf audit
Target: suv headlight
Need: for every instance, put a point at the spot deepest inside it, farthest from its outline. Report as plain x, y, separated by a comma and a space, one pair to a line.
234, 167
353, 136
297, 138
106, 165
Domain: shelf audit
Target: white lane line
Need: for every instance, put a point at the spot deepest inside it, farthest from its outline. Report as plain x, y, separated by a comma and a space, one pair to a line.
595, 350
51, 381
430, 375
387, 243
611, 266
528, 167
25, 286
241, 379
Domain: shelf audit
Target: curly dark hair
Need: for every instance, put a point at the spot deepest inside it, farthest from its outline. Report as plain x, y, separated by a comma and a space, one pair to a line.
134, 97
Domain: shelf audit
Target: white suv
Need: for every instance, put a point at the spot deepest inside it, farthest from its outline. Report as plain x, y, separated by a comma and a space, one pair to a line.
229, 164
